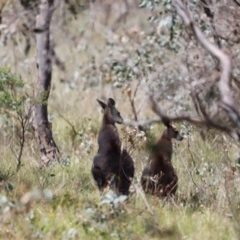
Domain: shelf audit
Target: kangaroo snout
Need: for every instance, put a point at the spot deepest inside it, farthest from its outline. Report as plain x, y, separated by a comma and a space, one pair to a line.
179, 137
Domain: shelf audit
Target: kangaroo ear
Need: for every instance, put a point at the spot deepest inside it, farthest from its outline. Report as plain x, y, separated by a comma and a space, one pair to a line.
111, 102
166, 122
102, 104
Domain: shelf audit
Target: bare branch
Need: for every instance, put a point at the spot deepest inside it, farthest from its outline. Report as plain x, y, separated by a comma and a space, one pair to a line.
238, 3
122, 17
227, 101
132, 98
21, 139
195, 121
210, 15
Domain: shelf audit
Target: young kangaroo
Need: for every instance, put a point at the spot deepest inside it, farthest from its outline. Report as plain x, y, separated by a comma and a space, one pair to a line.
159, 177
112, 162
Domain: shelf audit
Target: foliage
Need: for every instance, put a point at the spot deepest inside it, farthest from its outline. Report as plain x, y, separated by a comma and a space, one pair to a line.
9, 85
15, 107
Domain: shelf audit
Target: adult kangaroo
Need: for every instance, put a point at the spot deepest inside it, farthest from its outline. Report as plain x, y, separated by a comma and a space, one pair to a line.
112, 164
159, 176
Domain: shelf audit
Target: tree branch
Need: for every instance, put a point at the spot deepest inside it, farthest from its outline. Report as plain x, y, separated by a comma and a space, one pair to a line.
196, 121
210, 15
227, 101
237, 3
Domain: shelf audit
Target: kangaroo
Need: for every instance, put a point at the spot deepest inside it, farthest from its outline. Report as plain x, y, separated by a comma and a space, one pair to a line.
112, 164
159, 177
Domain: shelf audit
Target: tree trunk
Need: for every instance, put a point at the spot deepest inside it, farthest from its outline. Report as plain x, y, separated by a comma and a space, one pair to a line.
42, 127
2, 4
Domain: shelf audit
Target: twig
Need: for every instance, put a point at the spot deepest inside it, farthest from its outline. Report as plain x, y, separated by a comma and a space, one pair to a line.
144, 199
191, 176
230, 204
131, 99
68, 122
22, 140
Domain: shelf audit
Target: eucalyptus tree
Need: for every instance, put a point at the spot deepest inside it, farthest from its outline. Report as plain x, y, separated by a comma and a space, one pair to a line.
42, 127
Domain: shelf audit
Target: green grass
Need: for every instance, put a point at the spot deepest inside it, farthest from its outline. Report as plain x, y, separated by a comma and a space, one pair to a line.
72, 208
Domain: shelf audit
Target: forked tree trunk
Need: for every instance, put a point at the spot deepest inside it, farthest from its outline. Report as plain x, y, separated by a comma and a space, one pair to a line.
42, 127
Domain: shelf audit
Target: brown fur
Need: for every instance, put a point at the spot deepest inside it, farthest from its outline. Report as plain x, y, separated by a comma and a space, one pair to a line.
112, 164
159, 176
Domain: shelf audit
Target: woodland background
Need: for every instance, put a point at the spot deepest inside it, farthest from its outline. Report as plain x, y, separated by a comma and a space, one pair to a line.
141, 54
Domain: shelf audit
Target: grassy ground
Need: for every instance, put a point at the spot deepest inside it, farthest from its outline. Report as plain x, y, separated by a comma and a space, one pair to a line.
62, 202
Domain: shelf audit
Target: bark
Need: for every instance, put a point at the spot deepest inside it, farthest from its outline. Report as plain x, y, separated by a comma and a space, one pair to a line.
42, 127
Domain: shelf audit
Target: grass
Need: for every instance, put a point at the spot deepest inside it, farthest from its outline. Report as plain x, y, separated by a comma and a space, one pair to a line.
63, 202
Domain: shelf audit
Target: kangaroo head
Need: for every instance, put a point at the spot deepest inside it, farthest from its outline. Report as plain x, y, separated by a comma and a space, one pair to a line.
111, 113
172, 132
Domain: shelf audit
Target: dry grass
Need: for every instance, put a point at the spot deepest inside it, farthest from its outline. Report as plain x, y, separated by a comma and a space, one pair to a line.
206, 206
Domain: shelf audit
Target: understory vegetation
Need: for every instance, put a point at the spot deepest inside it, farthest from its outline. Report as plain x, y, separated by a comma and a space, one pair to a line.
63, 202
126, 62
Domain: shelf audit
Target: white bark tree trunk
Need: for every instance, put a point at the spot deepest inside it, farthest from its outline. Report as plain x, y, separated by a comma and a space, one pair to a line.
42, 127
